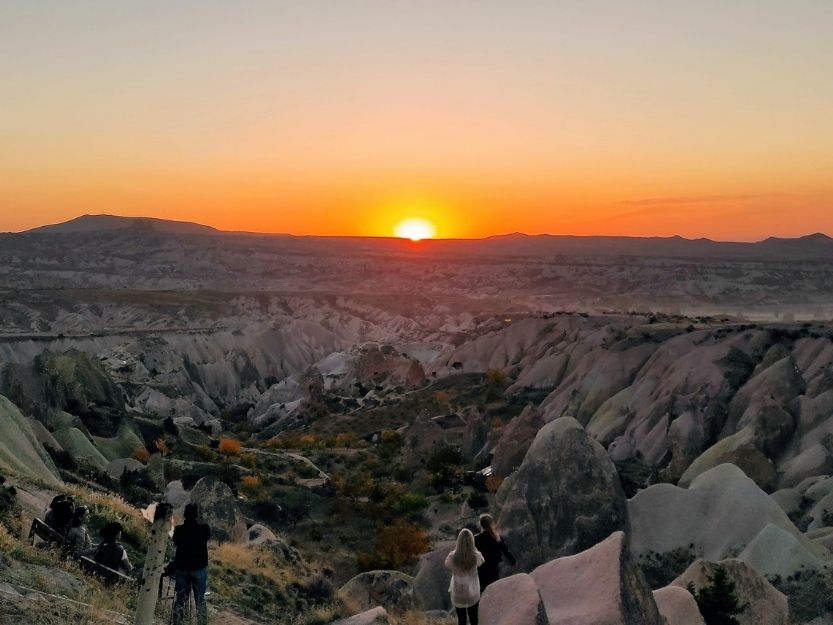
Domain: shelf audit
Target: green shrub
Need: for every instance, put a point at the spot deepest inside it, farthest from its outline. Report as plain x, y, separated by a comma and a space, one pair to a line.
717, 600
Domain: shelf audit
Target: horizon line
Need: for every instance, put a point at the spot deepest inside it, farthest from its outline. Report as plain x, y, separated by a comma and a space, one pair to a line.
518, 233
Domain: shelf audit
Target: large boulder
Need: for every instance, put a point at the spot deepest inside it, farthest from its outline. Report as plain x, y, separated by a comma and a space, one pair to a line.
775, 552
766, 606
432, 579
218, 507
513, 600
564, 498
392, 590
716, 517
599, 586
261, 537
515, 441
678, 606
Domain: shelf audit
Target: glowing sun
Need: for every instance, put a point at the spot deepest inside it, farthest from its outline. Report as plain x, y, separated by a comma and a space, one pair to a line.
415, 229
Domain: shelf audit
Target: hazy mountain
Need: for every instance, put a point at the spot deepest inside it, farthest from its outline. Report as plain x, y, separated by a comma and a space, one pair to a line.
109, 223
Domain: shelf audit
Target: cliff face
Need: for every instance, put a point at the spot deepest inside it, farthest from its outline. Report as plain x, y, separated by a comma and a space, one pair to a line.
20, 450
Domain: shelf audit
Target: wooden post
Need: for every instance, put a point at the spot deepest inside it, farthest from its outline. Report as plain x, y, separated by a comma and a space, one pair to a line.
154, 564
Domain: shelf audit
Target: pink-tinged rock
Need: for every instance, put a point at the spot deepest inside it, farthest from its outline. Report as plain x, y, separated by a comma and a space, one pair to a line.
512, 600
600, 586
678, 606
766, 605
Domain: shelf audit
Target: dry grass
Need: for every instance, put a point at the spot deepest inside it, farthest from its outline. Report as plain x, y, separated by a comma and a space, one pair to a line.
233, 556
90, 603
111, 507
414, 617
96, 606
260, 581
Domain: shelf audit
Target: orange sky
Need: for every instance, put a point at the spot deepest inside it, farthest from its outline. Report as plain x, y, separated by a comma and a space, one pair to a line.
637, 118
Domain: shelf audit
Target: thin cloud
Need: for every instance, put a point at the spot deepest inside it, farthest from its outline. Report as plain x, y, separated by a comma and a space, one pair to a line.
696, 199
651, 205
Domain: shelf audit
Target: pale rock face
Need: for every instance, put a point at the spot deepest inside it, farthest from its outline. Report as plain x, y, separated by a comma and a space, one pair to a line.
76, 443
767, 606
20, 449
43, 435
719, 514
513, 600
115, 468
432, 579
390, 589
564, 498
218, 508
259, 535
816, 459
177, 496
599, 586
500, 349
777, 552
368, 617
738, 449
821, 513
678, 606
597, 377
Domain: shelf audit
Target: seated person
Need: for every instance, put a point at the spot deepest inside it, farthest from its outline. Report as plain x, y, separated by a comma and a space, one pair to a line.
78, 542
59, 515
49, 518
111, 553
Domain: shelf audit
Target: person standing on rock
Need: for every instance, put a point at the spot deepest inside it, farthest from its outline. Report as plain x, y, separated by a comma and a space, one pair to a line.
190, 565
463, 562
489, 542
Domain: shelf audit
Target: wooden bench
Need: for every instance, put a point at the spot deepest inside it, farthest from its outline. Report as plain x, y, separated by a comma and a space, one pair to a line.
108, 575
46, 533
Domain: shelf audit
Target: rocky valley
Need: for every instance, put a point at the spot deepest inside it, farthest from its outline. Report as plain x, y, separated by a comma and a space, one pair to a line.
648, 420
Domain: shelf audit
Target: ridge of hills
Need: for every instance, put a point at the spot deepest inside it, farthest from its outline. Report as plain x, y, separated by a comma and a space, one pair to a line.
808, 247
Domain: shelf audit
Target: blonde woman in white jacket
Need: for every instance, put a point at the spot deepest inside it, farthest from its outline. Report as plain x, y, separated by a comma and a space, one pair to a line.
465, 585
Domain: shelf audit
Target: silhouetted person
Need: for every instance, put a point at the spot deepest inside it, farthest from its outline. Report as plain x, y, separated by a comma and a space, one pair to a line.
190, 565
59, 515
78, 541
489, 542
111, 553
465, 586
49, 517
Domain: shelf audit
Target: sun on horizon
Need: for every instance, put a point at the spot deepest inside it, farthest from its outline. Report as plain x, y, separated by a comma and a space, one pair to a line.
415, 229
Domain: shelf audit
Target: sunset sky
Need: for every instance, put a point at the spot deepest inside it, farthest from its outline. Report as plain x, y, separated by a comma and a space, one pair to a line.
710, 118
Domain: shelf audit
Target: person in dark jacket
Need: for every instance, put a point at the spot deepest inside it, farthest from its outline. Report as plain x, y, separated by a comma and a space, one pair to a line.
190, 565
111, 553
60, 514
489, 542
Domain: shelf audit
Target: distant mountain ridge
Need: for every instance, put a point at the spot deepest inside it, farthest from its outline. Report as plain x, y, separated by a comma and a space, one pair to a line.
817, 246
109, 223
